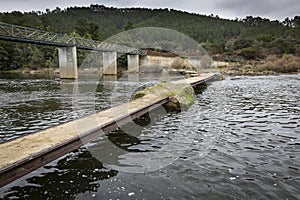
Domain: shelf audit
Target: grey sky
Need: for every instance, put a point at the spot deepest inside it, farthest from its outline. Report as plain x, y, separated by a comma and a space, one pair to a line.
273, 9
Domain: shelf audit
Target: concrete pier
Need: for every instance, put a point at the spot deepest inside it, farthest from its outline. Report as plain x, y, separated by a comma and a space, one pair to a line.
25, 154
67, 58
133, 63
109, 63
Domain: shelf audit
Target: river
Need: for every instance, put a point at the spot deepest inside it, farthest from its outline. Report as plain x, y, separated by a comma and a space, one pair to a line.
240, 140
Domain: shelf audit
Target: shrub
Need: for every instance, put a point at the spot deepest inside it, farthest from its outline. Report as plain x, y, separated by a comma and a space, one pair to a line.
271, 58
286, 64
178, 63
242, 43
206, 62
281, 46
248, 53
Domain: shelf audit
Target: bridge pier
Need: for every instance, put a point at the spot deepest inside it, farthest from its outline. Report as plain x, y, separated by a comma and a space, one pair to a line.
67, 59
133, 63
110, 63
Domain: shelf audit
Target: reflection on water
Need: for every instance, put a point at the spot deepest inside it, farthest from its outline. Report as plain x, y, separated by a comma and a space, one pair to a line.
34, 102
76, 173
246, 145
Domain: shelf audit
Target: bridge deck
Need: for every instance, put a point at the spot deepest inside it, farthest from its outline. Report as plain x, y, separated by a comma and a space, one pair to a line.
23, 155
11, 32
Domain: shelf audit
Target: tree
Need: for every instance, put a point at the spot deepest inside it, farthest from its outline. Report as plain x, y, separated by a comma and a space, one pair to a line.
252, 21
4, 59
98, 22
36, 58
264, 38
287, 22
296, 21
281, 46
89, 30
250, 53
243, 43
56, 10
129, 25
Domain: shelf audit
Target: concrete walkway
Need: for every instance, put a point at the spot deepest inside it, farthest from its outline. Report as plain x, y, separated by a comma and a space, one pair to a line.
22, 155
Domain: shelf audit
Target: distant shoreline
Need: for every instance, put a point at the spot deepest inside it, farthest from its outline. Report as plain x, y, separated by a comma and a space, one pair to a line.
224, 72
272, 65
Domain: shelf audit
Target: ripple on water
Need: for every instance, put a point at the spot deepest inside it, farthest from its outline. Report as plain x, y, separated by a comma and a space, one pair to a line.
245, 145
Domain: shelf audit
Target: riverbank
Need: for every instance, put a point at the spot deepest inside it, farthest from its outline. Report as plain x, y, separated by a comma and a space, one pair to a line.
48, 71
33, 71
272, 65
287, 64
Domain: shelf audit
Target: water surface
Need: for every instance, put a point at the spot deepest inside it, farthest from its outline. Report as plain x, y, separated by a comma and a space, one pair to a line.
240, 140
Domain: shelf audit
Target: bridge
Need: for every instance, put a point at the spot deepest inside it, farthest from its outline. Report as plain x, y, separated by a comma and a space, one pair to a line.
20, 156
67, 46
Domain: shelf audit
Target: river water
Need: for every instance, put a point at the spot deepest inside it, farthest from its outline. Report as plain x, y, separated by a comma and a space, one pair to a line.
240, 140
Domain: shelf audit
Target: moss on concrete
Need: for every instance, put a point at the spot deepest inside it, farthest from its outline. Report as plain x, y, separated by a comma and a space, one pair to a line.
181, 95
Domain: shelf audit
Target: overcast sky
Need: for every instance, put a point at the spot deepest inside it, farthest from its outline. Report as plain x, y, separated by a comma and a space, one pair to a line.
273, 9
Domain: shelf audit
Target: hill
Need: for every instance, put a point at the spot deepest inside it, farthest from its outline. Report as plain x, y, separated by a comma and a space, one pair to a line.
249, 38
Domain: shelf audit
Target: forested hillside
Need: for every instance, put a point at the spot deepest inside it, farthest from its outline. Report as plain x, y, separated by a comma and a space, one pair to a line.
249, 38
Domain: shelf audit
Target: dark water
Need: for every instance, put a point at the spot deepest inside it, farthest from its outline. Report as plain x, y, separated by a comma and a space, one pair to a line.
34, 102
240, 140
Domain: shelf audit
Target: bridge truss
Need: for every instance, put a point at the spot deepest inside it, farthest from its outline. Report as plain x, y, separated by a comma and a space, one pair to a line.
16, 33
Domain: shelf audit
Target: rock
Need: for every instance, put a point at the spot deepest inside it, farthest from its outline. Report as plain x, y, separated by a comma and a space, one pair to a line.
181, 96
182, 100
32, 71
235, 67
247, 66
25, 70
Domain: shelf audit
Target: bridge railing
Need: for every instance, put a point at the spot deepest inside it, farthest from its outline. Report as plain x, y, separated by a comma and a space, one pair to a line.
25, 34
14, 31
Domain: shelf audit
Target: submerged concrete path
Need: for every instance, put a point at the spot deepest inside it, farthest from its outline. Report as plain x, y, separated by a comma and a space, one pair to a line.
25, 154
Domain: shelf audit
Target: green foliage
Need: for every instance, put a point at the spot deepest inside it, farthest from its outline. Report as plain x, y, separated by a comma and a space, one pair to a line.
129, 25
212, 48
122, 61
264, 38
242, 43
218, 36
181, 95
4, 58
89, 30
281, 46
249, 53
296, 21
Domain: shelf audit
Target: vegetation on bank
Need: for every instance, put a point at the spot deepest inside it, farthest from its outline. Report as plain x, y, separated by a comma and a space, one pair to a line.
287, 63
252, 39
